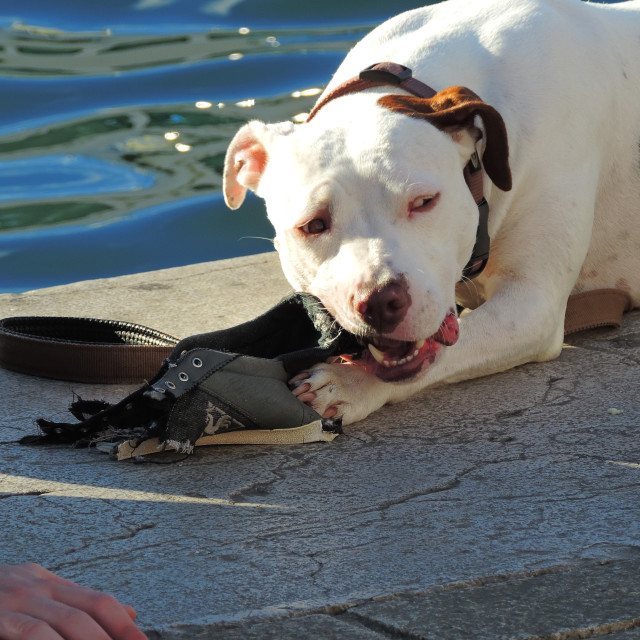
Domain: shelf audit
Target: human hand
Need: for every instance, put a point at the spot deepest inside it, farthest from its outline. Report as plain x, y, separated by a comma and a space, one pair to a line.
36, 604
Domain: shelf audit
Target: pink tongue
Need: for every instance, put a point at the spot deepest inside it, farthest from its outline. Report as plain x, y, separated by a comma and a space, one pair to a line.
447, 334
449, 331
413, 359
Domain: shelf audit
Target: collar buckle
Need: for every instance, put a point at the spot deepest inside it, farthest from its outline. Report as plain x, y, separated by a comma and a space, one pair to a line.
475, 162
386, 72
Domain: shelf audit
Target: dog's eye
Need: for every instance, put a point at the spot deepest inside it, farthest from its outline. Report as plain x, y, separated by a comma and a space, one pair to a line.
317, 226
423, 203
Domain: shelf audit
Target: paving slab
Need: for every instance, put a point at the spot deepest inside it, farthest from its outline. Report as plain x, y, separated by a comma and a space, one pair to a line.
580, 601
586, 600
324, 626
503, 482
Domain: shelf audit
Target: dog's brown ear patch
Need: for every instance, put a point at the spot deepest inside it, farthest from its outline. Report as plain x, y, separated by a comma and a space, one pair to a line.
457, 107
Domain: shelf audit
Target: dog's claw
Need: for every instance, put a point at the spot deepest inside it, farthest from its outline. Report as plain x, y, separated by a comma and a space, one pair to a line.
301, 377
339, 391
308, 398
300, 389
331, 412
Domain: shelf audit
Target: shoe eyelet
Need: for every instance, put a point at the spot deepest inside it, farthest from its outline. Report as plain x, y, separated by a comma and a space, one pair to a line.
170, 384
183, 376
196, 362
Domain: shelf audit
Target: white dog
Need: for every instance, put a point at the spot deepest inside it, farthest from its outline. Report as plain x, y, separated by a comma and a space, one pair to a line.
377, 205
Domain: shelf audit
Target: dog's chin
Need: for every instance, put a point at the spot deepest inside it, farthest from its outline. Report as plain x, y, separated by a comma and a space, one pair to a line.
399, 360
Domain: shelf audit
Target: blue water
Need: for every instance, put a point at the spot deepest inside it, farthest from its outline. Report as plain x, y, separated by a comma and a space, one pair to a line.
115, 117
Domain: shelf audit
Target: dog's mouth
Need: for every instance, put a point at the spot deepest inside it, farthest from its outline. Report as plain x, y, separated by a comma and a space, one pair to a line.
396, 360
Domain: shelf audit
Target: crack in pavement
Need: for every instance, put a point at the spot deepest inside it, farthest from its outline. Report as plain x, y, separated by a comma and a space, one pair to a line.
393, 502
454, 483
356, 619
87, 562
134, 531
560, 391
259, 488
127, 535
582, 633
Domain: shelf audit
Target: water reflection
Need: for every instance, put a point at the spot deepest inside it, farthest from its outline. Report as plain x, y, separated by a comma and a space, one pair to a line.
31, 51
220, 7
113, 130
144, 137
179, 150
67, 175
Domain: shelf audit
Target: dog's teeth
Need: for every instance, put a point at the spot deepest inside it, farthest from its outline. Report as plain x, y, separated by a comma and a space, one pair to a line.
379, 355
376, 353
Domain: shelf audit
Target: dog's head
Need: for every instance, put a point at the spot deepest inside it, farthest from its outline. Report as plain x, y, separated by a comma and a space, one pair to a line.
372, 213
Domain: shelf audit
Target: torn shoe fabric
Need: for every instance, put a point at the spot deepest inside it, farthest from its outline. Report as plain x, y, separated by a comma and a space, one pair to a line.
224, 387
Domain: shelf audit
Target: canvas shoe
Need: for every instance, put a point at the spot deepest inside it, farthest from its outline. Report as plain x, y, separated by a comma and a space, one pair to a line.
224, 387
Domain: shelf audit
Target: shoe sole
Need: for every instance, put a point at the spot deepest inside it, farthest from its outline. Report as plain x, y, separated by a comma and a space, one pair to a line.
312, 432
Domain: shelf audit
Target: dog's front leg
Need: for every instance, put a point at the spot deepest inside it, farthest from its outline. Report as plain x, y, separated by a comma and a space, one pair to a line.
520, 324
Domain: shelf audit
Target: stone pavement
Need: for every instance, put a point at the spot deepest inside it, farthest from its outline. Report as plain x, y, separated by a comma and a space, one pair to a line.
503, 507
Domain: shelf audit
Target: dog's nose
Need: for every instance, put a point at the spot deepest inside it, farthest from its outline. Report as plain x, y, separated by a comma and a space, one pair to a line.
386, 307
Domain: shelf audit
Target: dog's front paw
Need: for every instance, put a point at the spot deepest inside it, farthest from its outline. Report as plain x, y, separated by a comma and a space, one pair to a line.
339, 391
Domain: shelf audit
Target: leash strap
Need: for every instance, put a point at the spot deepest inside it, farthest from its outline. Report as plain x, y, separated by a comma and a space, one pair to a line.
598, 308
83, 349
111, 352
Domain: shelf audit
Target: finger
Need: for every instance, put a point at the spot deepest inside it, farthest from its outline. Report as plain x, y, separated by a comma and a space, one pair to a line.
20, 626
44, 574
131, 612
45, 606
69, 622
53, 578
115, 618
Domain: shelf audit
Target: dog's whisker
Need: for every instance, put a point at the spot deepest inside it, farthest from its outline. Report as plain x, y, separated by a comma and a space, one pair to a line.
269, 240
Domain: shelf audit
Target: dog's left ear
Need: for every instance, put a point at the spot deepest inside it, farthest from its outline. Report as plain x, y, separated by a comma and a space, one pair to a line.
455, 108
